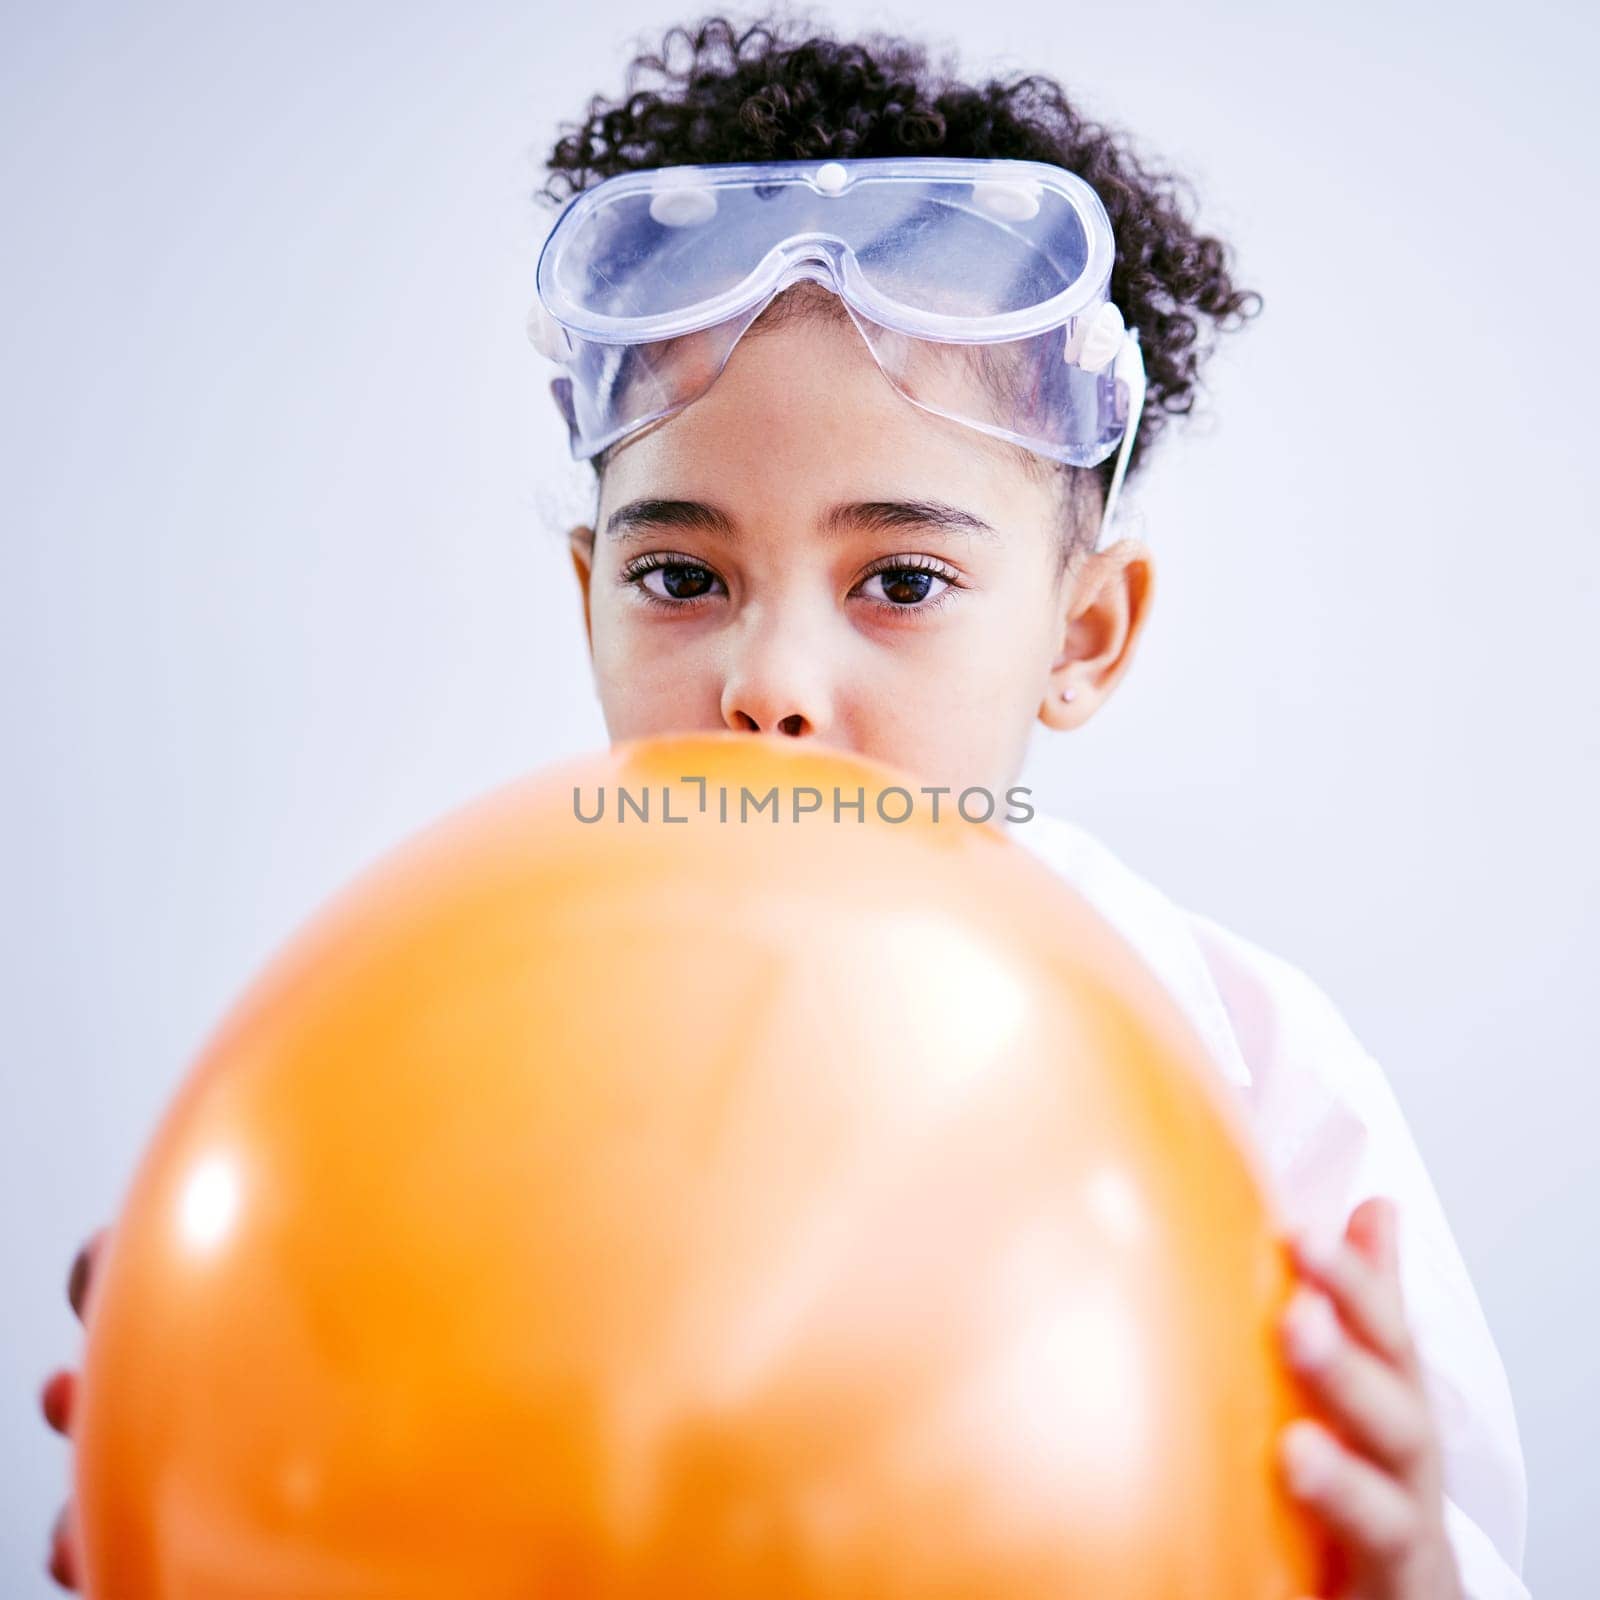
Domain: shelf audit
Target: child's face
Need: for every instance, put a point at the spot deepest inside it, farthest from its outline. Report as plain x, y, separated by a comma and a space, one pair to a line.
779, 556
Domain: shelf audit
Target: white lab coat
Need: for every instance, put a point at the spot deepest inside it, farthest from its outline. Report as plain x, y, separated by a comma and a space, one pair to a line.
1332, 1134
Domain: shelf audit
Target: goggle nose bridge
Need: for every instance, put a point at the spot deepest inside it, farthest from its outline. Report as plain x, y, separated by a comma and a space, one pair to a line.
819, 257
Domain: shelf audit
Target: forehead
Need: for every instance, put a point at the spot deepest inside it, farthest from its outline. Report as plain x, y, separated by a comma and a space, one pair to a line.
802, 412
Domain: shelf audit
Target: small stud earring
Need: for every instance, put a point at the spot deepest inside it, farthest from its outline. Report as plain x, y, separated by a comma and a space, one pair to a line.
1067, 694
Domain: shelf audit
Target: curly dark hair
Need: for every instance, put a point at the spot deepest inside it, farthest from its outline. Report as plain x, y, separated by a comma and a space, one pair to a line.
784, 89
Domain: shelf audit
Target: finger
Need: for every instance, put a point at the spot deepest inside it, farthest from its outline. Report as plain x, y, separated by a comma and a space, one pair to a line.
1374, 1229
58, 1398
1360, 1503
1367, 1297
1376, 1409
83, 1272
65, 1567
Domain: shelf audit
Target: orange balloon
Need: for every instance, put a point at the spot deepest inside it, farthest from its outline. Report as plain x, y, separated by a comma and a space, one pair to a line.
771, 1208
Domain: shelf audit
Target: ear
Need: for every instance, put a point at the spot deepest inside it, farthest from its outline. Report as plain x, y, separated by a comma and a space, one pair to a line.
580, 545
1105, 610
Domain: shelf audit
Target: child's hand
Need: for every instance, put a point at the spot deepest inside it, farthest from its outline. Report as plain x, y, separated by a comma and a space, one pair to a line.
1373, 1476
58, 1399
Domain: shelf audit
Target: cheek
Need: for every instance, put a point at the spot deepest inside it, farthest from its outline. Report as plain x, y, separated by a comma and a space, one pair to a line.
961, 711
953, 751
651, 679
993, 654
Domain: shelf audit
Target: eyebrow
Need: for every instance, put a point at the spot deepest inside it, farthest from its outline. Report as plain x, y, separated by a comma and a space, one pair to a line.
639, 518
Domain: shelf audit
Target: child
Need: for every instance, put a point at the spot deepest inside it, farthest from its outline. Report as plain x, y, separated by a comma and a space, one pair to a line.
813, 523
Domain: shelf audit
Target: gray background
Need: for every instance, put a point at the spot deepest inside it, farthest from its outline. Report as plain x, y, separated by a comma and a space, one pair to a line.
284, 576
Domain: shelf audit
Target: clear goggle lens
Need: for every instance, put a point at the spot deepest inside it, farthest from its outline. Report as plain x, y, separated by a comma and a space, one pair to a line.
981, 289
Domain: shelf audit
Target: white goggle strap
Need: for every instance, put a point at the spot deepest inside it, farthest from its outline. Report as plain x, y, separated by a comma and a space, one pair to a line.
1129, 371
549, 338
1103, 341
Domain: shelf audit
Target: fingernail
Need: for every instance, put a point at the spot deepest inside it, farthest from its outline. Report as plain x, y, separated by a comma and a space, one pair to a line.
63, 1563
1310, 1331
56, 1400
78, 1281
1305, 1458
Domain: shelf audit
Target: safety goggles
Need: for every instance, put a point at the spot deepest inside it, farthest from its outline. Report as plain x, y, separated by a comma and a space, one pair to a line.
981, 288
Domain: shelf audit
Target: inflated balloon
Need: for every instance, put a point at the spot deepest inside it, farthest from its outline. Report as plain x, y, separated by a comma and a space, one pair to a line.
789, 1206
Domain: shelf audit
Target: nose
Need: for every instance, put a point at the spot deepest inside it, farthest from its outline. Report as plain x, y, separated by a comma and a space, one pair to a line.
794, 724
776, 684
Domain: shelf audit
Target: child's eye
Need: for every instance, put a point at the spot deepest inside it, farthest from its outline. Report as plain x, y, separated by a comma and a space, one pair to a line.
671, 581
898, 586
909, 583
